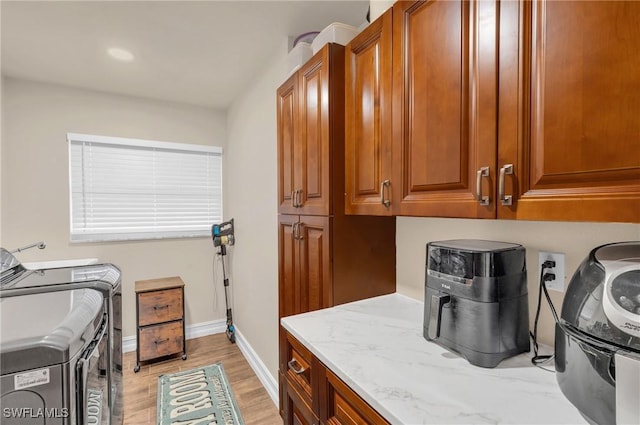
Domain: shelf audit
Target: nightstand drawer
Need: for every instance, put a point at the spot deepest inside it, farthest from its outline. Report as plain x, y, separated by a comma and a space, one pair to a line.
161, 340
160, 306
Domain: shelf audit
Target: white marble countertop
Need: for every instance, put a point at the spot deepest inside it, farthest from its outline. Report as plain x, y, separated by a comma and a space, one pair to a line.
376, 347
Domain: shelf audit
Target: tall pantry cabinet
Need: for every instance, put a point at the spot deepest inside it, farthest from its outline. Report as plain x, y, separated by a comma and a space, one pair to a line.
325, 257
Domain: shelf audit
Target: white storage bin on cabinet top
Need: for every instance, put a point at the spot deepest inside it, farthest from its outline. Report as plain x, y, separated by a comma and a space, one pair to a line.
297, 56
335, 33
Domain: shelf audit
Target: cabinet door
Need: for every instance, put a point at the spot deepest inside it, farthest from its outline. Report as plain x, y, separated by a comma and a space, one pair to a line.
569, 108
288, 269
368, 119
315, 264
296, 410
287, 105
312, 159
444, 108
342, 406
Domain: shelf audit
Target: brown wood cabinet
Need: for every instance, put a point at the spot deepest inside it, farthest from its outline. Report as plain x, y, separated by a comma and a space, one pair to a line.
306, 129
523, 111
569, 132
325, 257
159, 319
444, 100
368, 119
313, 394
305, 275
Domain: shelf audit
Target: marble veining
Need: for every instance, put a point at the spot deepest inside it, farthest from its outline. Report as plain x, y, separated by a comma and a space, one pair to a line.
376, 347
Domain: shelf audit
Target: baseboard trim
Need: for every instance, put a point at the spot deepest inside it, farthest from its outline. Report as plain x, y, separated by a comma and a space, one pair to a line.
268, 382
192, 331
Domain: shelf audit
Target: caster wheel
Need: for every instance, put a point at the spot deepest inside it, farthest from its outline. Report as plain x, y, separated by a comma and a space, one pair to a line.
136, 369
184, 357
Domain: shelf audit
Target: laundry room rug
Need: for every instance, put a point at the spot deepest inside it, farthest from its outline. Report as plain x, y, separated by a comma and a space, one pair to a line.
197, 396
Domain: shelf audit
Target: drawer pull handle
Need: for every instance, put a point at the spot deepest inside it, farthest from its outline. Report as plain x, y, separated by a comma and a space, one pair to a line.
295, 367
160, 307
161, 341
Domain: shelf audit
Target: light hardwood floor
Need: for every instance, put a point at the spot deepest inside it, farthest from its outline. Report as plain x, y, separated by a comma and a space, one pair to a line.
140, 389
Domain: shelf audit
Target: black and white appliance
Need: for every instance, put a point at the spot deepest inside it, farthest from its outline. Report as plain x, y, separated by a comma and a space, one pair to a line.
16, 280
597, 341
476, 299
53, 348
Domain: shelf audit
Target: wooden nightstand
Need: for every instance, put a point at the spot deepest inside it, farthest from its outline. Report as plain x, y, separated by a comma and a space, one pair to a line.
160, 319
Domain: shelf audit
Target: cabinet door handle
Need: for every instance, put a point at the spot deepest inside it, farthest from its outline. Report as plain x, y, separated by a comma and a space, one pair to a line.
161, 341
482, 172
293, 199
383, 200
504, 199
160, 307
295, 367
299, 198
300, 237
294, 228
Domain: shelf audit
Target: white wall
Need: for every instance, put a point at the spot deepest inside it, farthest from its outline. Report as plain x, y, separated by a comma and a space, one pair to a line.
575, 240
252, 202
35, 184
378, 7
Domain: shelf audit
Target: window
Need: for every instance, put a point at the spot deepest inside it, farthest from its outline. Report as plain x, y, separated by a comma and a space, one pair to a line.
124, 189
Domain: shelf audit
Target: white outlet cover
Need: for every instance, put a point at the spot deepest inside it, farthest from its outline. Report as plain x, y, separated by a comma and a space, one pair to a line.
558, 283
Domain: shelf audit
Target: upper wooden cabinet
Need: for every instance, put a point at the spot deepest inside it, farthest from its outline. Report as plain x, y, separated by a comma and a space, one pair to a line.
523, 111
444, 108
287, 106
306, 129
368, 119
569, 107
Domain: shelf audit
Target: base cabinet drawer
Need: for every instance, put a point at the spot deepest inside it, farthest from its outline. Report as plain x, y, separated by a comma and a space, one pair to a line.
345, 407
161, 340
313, 394
296, 409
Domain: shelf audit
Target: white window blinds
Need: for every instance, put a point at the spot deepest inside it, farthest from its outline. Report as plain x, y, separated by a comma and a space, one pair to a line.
124, 189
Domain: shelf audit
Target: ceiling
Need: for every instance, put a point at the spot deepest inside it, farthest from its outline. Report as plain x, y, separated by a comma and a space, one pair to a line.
197, 52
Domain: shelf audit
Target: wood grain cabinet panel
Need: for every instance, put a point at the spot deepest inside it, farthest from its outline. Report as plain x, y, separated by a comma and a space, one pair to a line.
344, 407
304, 264
517, 110
296, 410
314, 394
368, 141
444, 107
313, 169
569, 108
287, 107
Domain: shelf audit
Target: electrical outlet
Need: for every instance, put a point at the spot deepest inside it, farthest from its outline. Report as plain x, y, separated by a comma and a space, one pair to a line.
558, 283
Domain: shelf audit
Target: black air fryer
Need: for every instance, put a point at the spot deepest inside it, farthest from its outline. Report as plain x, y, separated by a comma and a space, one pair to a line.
476, 299
597, 347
